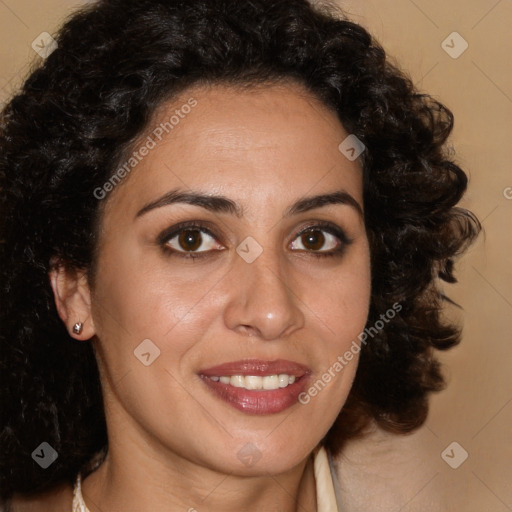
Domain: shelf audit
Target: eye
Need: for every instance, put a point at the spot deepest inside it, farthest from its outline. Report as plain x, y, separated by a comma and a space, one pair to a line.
325, 239
190, 240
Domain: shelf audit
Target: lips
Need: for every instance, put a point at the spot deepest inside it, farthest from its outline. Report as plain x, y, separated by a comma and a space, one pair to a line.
229, 381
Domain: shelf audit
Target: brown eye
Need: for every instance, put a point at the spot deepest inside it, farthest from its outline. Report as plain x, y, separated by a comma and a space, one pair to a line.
192, 240
313, 240
319, 240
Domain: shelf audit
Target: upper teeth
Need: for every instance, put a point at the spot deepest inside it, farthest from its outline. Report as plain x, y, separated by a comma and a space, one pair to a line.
256, 382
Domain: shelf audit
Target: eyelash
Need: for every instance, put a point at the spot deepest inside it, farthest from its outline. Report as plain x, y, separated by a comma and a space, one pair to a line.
328, 227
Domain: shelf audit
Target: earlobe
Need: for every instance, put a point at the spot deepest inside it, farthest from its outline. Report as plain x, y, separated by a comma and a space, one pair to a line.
73, 300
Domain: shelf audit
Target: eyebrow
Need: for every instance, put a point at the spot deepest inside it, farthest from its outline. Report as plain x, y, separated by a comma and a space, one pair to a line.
221, 204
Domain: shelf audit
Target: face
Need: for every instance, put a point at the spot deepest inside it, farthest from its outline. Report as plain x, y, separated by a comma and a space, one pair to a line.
218, 271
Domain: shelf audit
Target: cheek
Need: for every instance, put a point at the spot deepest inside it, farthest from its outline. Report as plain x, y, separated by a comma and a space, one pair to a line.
138, 298
346, 306
341, 308
341, 299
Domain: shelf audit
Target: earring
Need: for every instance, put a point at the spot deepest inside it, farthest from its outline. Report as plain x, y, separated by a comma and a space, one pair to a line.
77, 328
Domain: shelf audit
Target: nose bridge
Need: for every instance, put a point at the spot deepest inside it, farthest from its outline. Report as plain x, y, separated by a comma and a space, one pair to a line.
261, 298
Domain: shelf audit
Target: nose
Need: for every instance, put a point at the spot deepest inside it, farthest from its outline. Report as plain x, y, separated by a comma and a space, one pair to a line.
261, 300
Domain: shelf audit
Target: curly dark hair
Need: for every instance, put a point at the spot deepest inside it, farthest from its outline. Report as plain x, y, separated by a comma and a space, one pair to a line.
65, 133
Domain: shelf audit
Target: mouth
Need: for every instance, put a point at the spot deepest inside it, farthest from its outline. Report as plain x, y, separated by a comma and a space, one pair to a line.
257, 386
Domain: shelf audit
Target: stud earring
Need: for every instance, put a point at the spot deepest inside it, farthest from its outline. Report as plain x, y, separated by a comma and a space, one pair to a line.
77, 328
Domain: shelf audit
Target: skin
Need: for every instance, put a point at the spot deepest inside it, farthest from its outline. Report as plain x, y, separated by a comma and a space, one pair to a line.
172, 444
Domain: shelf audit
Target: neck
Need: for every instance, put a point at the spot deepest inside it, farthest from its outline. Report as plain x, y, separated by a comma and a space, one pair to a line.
135, 479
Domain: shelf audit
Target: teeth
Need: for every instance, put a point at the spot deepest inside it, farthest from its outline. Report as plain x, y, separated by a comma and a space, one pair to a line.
270, 382
253, 382
256, 382
237, 381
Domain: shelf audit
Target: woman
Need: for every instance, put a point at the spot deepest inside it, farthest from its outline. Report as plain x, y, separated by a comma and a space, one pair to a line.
214, 213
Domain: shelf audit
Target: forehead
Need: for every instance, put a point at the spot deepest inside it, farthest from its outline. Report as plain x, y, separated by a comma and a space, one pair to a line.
274, 139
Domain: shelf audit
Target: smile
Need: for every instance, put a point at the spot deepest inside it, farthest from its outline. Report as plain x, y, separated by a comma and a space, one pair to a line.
256, 386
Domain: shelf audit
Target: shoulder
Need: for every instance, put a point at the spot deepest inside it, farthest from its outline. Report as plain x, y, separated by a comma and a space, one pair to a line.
58, 499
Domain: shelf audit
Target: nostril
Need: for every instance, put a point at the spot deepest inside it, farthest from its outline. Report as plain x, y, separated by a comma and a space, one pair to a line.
250, 330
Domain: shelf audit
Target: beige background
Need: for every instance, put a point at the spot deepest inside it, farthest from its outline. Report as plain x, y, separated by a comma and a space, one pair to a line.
391, 474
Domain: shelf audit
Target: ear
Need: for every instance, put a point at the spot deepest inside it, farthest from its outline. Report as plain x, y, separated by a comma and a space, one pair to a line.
72, 299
